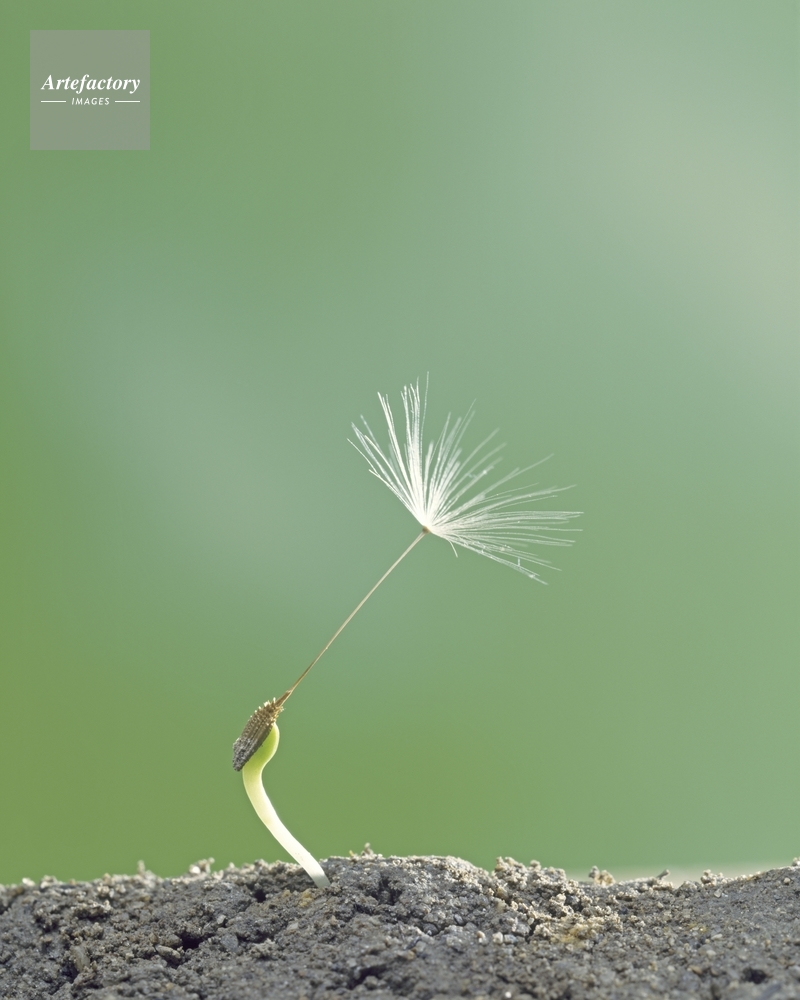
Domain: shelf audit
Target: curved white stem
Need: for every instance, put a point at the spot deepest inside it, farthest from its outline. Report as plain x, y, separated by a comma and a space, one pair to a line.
251, 772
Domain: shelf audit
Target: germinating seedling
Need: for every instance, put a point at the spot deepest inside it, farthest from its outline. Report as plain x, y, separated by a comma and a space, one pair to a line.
437, 485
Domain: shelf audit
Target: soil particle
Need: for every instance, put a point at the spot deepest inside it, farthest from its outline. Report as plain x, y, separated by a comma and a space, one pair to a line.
423, 928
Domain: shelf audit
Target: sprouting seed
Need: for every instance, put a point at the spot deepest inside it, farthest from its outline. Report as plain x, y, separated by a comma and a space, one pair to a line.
251, 772
443, 488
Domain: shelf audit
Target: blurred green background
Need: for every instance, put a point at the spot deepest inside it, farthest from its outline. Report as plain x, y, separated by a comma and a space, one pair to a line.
582, 215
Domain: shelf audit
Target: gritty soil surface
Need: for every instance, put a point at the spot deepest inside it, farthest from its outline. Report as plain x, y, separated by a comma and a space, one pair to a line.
423, 928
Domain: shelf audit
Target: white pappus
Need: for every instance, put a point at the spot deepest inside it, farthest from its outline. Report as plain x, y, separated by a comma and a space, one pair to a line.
443, 488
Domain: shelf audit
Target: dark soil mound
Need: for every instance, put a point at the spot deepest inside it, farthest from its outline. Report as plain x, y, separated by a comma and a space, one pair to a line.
421, 928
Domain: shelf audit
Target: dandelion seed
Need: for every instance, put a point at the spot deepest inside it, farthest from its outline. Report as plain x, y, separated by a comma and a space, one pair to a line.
441, 489
442, 486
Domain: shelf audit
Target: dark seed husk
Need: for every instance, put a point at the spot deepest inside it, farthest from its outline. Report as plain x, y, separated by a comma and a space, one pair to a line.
256, 731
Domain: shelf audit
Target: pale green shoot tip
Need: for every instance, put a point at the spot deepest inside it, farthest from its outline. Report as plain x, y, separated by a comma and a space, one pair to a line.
251, 772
